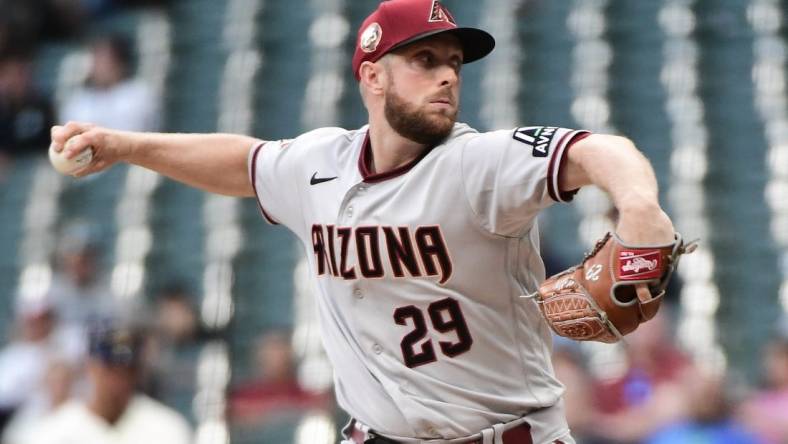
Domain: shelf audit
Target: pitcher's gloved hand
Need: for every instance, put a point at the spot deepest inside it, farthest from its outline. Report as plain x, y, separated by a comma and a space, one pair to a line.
612, 291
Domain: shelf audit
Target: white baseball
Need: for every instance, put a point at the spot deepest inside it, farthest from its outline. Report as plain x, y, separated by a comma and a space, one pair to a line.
70, 166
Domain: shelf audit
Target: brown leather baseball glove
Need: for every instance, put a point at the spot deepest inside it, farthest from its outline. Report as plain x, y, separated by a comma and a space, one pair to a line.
612, 291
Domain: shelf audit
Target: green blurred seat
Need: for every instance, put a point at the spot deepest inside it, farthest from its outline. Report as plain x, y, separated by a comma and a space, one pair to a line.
14, 193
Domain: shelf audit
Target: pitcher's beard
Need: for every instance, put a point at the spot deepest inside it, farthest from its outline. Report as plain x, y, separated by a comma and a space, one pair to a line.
417, 124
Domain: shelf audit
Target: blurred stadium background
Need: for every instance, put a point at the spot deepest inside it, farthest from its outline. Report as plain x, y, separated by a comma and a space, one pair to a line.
700, 86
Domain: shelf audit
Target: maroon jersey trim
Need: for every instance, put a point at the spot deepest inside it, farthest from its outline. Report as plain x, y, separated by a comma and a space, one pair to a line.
552, 179
268, 218
365, 158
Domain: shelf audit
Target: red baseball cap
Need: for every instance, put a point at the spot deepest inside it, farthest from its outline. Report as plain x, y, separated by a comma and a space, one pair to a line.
397, 23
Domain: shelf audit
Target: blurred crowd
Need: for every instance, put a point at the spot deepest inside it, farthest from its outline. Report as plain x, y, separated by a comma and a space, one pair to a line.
110, 95
661, 396
84, 366
79, 364
25, 24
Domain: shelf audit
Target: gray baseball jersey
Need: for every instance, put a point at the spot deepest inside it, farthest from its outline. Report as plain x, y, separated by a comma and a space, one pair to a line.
419, 273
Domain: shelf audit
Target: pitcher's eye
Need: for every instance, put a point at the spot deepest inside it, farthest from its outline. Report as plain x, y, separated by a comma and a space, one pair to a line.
456, 64
425, 59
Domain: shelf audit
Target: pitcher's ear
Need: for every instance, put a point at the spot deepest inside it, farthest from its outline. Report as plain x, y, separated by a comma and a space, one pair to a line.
373, 76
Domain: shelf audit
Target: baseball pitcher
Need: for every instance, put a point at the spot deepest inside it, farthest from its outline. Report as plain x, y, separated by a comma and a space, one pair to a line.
422, 239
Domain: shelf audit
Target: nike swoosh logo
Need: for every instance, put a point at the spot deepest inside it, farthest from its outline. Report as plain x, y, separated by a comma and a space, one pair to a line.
316, 180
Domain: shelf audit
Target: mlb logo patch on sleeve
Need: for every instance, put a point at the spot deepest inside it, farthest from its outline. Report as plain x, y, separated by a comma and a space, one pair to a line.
537, 138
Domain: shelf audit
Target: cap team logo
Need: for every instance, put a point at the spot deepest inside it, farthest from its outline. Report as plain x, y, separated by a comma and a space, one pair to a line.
370, 38
438, 13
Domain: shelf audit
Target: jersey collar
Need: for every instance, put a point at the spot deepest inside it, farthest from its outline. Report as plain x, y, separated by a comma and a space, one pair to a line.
365, 160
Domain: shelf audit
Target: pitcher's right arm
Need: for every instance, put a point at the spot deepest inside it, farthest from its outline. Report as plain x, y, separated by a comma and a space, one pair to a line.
215, 163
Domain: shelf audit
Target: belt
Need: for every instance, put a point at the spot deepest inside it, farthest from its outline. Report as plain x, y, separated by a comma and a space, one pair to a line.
520, 434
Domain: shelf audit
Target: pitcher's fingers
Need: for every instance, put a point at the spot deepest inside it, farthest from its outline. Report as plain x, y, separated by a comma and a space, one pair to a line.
72, 129
62, 133
76, 145
58, 139
93, 167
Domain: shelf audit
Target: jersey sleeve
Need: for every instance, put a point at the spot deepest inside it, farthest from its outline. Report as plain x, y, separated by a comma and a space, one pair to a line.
272, 168
511, 175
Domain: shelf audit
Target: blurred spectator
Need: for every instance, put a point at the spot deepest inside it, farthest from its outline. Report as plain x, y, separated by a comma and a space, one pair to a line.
651, 393
710, 422
275, 390
25, 115
176, 317
25, 23
20, 26
65, 18
78, 292
176, 346
111, 96
24, 361
57, 389
114, 412
767, 411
